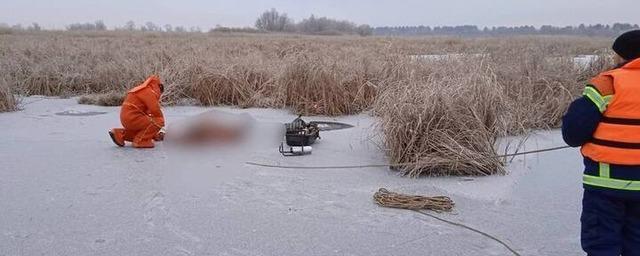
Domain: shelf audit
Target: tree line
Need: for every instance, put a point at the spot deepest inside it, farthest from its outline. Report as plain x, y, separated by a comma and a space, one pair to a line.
274, 21
268, 21
99, 25
131, 26
471, 30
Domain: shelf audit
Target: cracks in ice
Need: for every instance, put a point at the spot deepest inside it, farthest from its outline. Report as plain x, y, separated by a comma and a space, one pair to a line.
157, 216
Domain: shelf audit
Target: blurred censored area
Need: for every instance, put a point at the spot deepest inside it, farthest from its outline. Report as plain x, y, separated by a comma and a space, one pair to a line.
210, 128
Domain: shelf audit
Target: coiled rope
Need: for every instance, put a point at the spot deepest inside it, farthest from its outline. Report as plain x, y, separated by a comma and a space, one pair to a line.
390, 199
415, 203
418, 204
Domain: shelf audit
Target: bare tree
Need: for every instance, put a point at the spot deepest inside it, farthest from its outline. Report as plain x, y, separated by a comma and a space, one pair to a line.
327, 26
168, 28
130, 25
272, 20
364, 30
150, 26
34, 27
99, 24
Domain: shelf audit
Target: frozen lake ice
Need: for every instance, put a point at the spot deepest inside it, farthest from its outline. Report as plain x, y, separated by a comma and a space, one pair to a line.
581, 61
65, 189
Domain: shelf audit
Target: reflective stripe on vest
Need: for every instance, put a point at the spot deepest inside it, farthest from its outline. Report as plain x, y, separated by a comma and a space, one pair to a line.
616, 139
594, 95
605, 181
605, 170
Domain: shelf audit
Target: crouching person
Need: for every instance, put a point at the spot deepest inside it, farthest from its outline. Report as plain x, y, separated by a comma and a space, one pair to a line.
141, 116
605, 122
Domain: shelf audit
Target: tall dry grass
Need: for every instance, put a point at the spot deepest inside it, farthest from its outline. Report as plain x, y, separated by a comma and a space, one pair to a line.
429, 109
247, 70
235, 85
447, 115
7, 100
110, 99
312, 85
450, 112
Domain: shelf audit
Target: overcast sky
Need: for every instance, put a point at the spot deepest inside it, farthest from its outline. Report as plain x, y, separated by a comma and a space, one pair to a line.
209, 13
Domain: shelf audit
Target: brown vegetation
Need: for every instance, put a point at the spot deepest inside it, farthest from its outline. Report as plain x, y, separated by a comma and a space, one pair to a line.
110, 99
7, 100
431, 109
449, 115
443, 111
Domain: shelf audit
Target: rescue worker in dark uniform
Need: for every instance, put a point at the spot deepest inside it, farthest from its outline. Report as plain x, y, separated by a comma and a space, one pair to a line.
605, 122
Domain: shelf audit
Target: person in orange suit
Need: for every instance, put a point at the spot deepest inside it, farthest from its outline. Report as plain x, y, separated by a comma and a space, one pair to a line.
141, 116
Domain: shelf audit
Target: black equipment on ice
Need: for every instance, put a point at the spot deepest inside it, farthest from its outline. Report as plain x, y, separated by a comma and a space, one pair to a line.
299, 136
295, 150
299, 133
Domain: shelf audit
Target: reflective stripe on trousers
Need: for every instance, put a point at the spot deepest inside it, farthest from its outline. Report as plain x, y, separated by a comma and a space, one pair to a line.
604, 180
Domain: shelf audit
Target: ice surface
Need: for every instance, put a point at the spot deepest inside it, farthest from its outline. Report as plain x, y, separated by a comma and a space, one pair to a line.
584, 61
65, 189
446, 57
580, 61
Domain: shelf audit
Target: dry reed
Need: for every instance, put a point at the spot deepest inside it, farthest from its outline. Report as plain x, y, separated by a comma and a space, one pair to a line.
430, 109
7, 100
447, 111
311, 87
110, 99
448, 114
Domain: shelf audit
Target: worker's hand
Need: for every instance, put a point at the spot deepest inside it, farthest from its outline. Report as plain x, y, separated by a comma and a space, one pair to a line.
160, 135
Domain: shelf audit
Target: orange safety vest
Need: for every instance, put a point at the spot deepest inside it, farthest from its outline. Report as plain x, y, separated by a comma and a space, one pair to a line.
616, 93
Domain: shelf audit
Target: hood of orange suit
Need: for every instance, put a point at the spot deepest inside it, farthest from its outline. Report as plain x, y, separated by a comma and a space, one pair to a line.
152, 82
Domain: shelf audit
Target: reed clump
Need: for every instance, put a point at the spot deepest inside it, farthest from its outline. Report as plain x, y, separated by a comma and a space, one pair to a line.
446, 118
311, 87
110, 99
8, 101
446, 115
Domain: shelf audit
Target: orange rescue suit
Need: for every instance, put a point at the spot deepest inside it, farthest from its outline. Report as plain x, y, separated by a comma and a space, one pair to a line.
141, 115
617, 137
